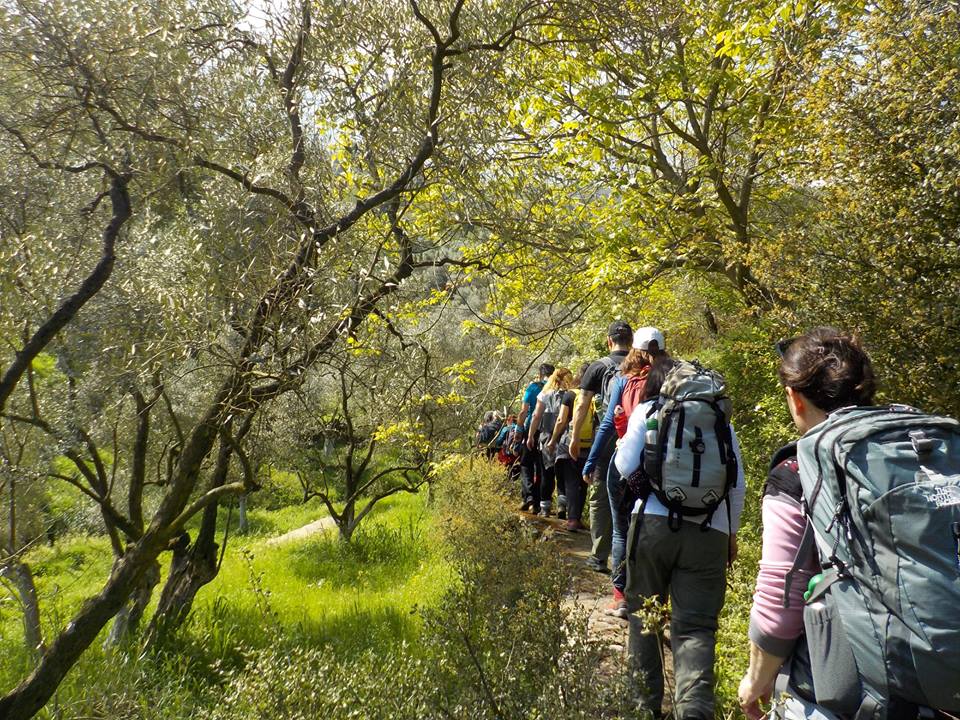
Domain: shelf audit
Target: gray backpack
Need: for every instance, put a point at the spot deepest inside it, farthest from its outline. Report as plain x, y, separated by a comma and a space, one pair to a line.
552, 402
881, 488
692, 467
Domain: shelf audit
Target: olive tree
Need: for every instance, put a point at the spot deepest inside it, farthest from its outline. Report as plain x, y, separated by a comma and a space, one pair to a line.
275, 164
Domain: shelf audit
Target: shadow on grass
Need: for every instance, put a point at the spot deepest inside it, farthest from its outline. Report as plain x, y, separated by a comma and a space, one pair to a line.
359, 630
222, 632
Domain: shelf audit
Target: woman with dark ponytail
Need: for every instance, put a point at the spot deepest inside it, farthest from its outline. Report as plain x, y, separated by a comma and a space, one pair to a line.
821, 371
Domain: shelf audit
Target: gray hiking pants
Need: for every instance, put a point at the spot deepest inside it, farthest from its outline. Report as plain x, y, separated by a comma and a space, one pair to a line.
690, 565
601, 523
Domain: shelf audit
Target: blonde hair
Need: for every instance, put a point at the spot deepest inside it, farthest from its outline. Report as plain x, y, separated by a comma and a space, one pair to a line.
562, 379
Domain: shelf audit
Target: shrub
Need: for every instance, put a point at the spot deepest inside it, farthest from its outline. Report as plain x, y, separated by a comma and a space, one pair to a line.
499, 645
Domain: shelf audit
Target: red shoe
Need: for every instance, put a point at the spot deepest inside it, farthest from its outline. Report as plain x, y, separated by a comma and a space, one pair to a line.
618, 607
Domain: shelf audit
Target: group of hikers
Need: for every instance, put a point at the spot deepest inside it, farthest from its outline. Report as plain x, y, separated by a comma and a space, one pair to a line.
856, 612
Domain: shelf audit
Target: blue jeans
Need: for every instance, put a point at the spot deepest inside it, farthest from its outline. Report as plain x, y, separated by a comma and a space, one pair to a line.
620, 515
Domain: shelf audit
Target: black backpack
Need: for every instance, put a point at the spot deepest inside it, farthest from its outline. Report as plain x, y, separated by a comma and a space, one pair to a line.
488, 433
611, 369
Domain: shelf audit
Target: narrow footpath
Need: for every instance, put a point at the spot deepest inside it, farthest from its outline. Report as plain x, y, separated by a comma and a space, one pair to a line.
590, 593
305, 531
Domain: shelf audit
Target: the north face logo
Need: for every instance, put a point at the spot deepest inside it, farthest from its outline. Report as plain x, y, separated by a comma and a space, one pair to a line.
945, 496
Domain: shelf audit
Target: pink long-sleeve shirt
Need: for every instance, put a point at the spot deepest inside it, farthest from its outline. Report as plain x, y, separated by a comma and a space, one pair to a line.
773, 627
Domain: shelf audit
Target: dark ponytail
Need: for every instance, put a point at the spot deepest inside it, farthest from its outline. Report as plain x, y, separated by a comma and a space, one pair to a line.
830, 368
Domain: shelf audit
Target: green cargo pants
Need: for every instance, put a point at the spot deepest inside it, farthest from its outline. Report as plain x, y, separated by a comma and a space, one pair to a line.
601, 522
690, 565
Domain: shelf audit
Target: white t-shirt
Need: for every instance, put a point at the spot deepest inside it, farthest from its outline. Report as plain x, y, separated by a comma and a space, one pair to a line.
627, 459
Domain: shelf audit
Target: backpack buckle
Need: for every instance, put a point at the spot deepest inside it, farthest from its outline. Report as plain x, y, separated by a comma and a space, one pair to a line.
922, 445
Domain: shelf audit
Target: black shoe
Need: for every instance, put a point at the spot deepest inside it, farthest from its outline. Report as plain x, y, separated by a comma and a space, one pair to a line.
597, 566
561, 515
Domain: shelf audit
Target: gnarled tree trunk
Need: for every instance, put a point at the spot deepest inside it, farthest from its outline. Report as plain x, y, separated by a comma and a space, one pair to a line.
127, 622
193, 566
19, 574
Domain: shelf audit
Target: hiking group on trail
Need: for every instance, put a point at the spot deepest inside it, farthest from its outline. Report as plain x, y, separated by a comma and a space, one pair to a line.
856, 612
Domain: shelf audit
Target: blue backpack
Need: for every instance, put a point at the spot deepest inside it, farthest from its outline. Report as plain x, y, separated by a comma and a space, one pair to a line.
881, 490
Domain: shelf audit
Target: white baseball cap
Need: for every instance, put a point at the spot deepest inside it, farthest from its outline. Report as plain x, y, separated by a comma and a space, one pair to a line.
642, 337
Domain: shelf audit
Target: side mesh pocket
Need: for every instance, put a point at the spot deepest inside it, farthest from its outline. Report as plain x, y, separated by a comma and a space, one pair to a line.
834, 669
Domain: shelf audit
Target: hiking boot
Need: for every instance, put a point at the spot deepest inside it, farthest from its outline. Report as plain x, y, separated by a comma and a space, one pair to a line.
545, 509
597, 566
617, 608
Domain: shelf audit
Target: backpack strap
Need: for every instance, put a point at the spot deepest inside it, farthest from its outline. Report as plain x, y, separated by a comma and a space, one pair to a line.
804, 553
870, 708
675, 521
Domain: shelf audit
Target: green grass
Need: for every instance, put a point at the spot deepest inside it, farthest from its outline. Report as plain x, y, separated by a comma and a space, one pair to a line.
315, 590
326, 592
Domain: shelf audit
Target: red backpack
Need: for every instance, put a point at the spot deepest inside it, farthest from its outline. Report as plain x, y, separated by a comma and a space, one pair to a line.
631, 396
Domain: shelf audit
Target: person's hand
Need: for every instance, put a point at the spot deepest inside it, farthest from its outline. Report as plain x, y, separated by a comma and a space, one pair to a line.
588, 478
733, 549
551, 447
749, 696
530, 443
574, 448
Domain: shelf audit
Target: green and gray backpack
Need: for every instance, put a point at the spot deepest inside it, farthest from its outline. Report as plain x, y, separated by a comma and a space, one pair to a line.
881, 489
692, 467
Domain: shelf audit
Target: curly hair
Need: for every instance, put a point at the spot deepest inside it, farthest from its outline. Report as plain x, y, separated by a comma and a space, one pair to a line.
830, 368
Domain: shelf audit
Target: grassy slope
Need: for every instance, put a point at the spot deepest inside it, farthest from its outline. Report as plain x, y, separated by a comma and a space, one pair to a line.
312, 590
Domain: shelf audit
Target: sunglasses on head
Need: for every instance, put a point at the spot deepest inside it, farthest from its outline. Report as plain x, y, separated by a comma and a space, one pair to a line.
782, 346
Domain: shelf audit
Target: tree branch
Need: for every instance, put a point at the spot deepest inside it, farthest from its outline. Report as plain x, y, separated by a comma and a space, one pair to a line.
120, 199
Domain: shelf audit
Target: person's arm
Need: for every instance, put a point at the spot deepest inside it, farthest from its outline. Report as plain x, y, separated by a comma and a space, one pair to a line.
579, 415
524, 409
774, 629
534, 425
606, 430
558, 427
757, 684
631, 444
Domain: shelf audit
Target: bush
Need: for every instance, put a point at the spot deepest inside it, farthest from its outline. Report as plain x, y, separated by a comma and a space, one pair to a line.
500, 645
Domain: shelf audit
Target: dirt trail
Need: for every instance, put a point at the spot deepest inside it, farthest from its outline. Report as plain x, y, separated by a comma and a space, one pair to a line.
305, 531
591, 592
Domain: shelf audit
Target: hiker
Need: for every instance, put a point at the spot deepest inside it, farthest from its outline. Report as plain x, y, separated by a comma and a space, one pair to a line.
855, 644
545, 415
509, 445
627, 392
597, 382
569, 470
531, 464
683, 528
488, 432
